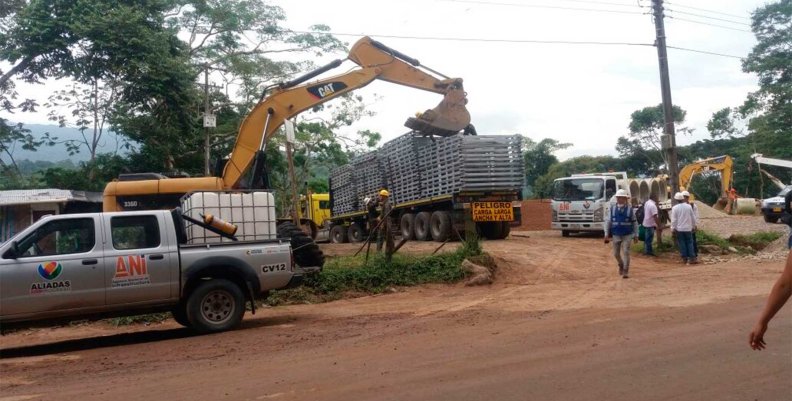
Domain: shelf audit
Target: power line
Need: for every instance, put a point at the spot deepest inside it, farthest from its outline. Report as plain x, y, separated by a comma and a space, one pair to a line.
704, 52
704, 16
707, 23
707, 10
495, 3
485, 40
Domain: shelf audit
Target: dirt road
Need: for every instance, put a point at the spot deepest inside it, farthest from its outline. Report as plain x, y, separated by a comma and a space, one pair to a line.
558, 324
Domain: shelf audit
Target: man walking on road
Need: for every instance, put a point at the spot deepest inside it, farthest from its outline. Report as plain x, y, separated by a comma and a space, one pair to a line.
651, 222
683, 224
623, 227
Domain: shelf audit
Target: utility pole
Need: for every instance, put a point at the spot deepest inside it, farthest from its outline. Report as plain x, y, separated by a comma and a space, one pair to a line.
289, 126
668, 140
209, 119
206, 125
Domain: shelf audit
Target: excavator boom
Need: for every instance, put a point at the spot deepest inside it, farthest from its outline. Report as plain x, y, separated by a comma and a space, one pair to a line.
375, 61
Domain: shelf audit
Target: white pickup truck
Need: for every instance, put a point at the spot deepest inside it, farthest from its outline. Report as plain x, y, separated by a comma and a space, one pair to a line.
115, 264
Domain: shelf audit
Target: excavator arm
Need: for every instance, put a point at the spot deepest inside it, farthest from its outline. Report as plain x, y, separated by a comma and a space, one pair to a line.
375, 61
720, 163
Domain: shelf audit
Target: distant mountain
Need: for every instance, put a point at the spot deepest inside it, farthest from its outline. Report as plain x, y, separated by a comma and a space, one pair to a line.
108, 144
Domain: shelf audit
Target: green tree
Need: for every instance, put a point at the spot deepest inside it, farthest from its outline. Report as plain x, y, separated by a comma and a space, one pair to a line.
771, 60
539, 156
646, 128
724, 124
90, 108
236, 40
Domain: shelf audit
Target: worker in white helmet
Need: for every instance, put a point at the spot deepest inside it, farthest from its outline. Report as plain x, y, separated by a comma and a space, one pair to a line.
622, 227
683, 224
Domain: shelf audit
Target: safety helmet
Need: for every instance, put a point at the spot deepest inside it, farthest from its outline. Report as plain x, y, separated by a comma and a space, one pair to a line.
384, 192
686, 194
622, 194
678, 196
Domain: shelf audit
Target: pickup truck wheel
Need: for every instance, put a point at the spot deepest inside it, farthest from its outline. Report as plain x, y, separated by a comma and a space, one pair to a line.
408, 226
306, 252
180, 315
338, 234
564, 233
440, 225
422, 232
770, 219
215, 305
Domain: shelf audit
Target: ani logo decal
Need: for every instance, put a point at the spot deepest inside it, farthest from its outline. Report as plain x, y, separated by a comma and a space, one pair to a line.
50, 270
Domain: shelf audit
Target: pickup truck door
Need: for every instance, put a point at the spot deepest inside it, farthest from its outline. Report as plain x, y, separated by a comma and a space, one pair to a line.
139, 259
57, 268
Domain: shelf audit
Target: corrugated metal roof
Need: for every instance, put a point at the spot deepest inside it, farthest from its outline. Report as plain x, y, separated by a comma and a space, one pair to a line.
48, 195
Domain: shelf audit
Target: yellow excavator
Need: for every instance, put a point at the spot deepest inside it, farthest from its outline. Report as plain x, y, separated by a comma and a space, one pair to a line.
721, 163
246, 168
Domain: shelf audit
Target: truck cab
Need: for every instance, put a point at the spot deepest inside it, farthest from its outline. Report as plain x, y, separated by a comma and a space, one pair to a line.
579, 202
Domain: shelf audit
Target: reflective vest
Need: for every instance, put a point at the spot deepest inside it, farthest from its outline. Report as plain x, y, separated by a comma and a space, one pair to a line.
621, 220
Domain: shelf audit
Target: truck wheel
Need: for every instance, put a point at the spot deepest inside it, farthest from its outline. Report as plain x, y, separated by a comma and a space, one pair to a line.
505, 229
338, 234
492, 230
215, 305
306, 252
769, 219
180, 315
355, 233
422, 232
408, 226
440, 226
564, 233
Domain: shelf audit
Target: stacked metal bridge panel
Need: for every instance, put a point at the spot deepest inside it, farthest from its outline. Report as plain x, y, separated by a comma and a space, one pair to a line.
413, 167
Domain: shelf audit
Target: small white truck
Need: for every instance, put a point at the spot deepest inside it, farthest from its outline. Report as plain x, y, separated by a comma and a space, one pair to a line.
579, 202
77, 266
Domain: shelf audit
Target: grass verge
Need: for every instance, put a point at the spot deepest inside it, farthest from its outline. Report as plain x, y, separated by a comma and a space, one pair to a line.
744, 244
347, 275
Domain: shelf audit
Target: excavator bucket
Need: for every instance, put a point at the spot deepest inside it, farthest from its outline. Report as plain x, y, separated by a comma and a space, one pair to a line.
448, 118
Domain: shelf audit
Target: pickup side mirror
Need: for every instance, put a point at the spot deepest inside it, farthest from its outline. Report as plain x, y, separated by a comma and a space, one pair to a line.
12, 252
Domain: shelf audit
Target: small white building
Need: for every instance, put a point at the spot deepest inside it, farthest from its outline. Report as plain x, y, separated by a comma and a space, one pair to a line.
21, 208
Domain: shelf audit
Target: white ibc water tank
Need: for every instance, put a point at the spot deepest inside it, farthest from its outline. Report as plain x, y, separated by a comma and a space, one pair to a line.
252, 212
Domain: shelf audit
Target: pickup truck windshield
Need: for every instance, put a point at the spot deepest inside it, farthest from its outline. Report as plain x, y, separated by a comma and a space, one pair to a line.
578, 189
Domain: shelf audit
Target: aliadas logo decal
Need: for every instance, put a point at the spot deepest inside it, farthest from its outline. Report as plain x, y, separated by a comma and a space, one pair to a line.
50, 270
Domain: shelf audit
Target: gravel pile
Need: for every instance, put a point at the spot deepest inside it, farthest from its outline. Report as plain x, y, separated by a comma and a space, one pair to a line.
728, 225
708, 212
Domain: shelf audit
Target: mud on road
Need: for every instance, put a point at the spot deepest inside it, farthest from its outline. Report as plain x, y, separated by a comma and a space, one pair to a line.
558, 323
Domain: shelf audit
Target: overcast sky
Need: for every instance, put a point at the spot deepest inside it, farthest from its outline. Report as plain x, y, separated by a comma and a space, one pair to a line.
582, 94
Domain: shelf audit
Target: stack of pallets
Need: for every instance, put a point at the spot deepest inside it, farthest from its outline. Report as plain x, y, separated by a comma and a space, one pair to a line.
413, 167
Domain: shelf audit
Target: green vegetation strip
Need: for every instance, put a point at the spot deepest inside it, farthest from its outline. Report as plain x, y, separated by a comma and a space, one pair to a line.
344, 276
744, 244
